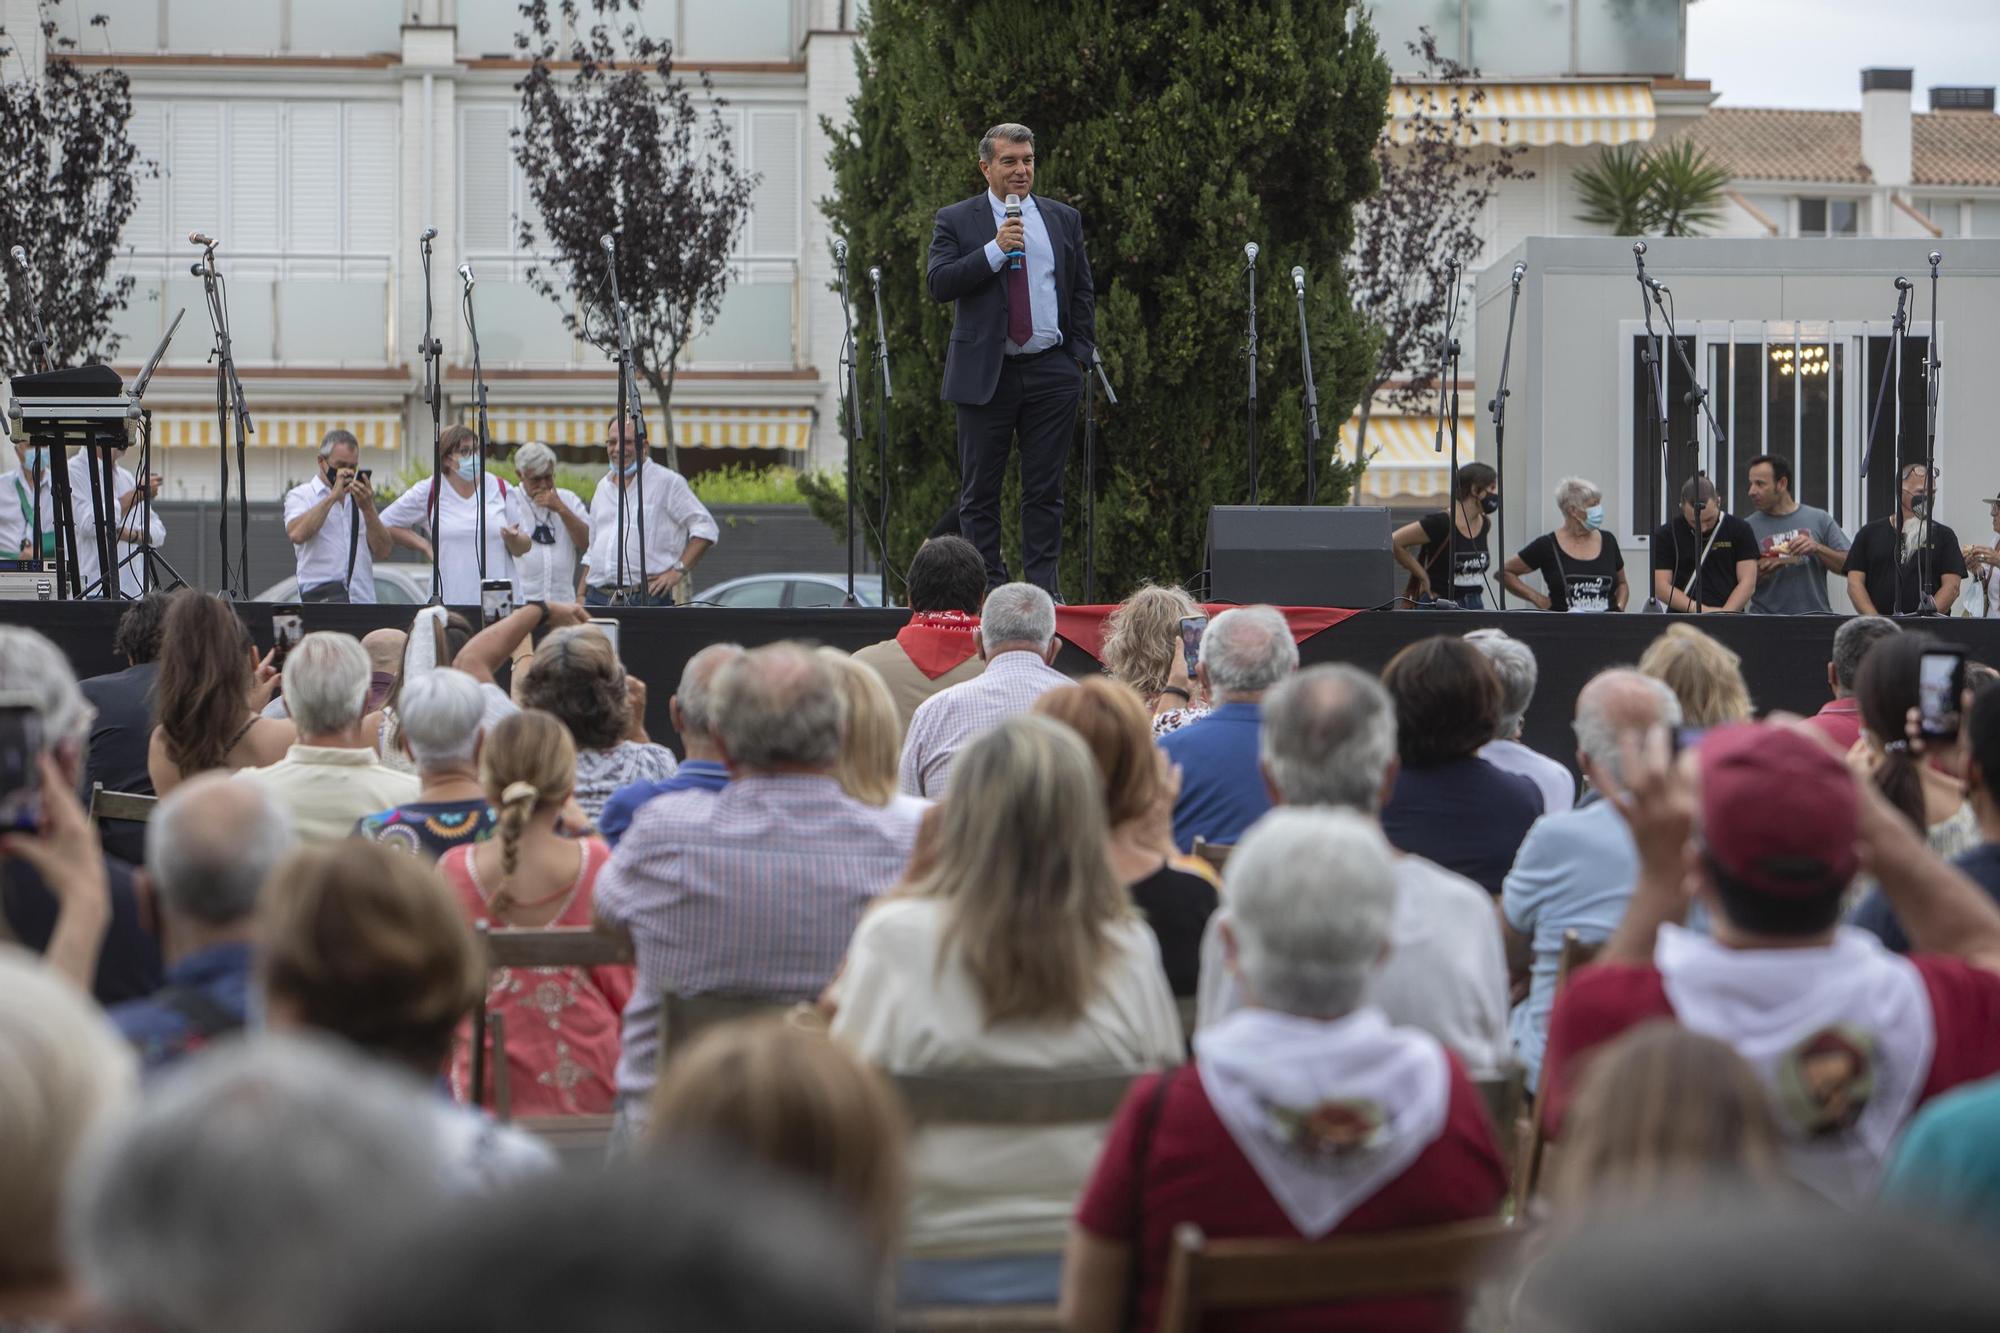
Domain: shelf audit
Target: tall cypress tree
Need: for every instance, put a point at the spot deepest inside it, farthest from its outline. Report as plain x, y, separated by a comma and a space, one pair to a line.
1180, 129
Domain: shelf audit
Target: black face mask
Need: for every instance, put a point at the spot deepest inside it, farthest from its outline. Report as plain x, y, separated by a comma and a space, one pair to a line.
1490, 503
1918, 503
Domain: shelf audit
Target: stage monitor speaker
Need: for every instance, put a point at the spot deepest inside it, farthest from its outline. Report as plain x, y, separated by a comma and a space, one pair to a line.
1303, 555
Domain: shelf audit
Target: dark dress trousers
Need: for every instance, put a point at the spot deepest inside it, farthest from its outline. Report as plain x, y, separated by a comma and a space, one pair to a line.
1032, 396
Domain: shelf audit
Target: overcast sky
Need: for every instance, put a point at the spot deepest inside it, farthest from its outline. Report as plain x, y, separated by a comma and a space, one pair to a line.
1810, 53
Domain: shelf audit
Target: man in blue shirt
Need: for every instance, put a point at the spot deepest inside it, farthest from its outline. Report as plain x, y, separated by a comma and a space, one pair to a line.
1244, 652
209, 848
693, 715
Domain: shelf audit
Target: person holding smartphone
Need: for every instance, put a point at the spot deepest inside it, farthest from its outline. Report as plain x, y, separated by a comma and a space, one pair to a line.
335, 532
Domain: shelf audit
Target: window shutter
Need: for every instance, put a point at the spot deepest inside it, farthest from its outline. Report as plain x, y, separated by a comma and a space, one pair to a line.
253, 178
774, 156
312, 177
146, 229
486, 180
370, 168
195, 186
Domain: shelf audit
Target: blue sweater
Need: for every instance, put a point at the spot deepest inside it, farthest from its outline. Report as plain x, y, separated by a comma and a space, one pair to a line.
1222, 788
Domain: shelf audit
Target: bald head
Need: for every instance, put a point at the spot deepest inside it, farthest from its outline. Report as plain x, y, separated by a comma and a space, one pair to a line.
1617, 706
694, 701
779, 709
210, 846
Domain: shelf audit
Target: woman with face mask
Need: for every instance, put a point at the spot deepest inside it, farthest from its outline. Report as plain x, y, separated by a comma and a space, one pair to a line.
1579, 562
1452, 566
455, 534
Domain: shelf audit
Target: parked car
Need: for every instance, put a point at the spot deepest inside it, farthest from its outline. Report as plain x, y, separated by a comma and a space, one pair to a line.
792, 590
395, 585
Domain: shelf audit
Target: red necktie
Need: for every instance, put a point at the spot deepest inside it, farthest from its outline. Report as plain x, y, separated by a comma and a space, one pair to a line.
1020, 313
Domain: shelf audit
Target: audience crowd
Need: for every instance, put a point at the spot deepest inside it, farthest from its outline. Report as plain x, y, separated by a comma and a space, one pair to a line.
399, 1008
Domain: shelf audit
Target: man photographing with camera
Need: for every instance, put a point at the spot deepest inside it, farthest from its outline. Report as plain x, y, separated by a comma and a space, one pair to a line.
335, 562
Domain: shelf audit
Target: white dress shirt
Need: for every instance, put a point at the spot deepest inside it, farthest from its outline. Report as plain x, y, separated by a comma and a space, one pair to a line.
457, 545
131, 577
674, 517
952, 719
323, 557
1041, 262
548, 573
17, 501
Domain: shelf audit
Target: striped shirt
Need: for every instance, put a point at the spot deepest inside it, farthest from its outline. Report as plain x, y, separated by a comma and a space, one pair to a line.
751, 890
949, 721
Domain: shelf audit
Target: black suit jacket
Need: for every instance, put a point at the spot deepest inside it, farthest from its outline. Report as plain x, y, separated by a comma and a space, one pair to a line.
958, 271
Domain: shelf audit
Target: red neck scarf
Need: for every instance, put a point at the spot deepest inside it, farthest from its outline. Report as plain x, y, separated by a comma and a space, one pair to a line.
938, 641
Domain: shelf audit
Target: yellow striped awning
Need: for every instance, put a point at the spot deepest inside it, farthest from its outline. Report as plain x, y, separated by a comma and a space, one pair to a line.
1534, 114
278, 428
694, 427
1403, 460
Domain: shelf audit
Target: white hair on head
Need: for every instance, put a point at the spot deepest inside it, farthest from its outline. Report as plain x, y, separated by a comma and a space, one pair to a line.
1311, 894
1619, 705
439, 715
326, 683
1577, 493
1513, 662
33, 667
212, 844
534, 459
696, 694
1248, 649
1017, 613
779, 705
1328, 736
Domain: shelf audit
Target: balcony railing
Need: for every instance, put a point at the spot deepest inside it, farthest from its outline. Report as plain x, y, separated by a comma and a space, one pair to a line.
1540, 38
322, 310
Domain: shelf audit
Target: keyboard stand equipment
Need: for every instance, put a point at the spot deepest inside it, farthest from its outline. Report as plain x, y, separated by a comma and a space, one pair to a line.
81, 408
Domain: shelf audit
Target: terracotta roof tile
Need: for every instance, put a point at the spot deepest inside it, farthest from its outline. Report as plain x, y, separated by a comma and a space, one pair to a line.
1762, 143
1955, 148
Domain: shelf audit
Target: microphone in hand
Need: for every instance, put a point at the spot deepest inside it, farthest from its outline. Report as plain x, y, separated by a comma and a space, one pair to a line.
1299, 279
1015, 256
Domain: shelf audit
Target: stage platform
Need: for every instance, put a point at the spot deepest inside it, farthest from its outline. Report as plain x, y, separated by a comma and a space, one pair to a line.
1784, 657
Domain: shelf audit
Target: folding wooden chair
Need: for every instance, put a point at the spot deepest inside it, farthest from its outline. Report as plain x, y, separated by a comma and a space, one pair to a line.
1215, 853
1013, 1097
1528, 1175
1504, 1095
552, 946
684, 1017
121, 804
1208, 1277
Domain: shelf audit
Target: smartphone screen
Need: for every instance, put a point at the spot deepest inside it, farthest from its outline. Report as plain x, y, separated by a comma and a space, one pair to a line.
1191, 631
1940, 684
496, 600
287, 628
609, 628
20, 769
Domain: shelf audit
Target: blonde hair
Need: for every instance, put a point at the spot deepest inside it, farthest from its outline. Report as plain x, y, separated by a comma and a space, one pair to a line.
1706, 677
796, 1100
63, 1068
873, 742
370, 945
528, 763
1142, 634
1661, 1115
1113, 724
1028, 890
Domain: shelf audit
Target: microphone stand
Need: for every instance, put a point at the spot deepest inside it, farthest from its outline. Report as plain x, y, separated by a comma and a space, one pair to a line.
1498, 407
229, 406
1312, 392
479, 409
1653, 359
1091, 384
1933, 380
881, 432
1250, 358
432, 350
1448, 352
850, 410
149, 558
1696, 396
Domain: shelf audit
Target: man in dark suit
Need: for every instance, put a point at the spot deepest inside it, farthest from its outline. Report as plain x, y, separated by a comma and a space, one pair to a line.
1022, 339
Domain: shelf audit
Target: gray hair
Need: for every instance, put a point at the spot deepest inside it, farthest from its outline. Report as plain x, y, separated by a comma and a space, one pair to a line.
1851, 643
1007, 130
1513, 662
439, 717
211, 844
1248, 649
326, 683
697, 688
1017, 613
334, 438
1617, 705
1329, 733
1311, 895
238, 1193
535, 459
1577, 493
779, 705
32, 667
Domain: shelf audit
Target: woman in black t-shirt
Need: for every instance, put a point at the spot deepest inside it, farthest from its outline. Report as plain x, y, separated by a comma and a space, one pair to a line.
1580, 563
1455, 569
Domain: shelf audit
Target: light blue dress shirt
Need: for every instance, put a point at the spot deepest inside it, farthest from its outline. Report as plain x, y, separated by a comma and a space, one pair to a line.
1041, 273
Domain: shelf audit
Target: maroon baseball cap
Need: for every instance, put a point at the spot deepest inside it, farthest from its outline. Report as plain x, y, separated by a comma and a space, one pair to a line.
1778, 812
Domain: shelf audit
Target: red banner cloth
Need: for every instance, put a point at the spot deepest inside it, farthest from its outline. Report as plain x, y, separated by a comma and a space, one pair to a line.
1083, 626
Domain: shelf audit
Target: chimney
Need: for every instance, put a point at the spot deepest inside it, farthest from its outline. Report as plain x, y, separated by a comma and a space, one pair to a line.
1961, 99
1885, 124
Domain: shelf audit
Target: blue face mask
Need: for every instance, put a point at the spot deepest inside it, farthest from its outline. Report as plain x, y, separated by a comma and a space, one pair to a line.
1593, 517
468, 468
38, 459
630, 469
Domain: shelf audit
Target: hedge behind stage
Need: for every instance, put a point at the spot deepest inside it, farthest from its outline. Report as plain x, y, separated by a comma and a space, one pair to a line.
1180, 129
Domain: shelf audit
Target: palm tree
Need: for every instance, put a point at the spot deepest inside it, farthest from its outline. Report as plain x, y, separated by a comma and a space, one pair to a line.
1670, 189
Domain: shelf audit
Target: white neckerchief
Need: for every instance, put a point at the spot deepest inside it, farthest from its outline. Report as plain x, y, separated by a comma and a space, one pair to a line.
1326, 1112
1841, 1036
